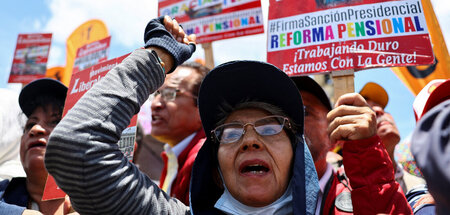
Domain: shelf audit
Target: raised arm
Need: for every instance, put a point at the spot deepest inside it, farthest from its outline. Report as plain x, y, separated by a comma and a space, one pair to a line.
366, 161
82, 154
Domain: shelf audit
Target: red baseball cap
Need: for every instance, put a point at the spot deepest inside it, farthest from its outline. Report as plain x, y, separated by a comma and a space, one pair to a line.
435, 92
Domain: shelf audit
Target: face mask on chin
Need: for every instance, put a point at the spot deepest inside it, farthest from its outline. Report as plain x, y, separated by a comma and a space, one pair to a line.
228, 204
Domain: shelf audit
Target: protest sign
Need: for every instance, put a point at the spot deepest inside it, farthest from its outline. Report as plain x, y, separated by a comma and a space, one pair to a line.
55, 72
30, 58
91, 54
306, 37
80, 83
87, 32
213, 20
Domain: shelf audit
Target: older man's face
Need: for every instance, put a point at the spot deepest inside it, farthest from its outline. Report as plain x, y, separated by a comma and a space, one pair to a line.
386, 128
172, 121
316, 126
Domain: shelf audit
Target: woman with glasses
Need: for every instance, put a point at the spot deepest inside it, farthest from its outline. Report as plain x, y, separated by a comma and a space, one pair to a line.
255, 160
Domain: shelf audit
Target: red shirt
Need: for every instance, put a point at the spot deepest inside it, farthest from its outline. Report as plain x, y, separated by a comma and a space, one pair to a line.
180, 186
370, 186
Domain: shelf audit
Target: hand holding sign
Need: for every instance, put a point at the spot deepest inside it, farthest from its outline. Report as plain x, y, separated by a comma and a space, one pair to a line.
351, 119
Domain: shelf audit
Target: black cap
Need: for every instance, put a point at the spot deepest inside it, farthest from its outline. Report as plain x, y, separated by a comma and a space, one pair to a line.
308, 84
237, 81
40, 87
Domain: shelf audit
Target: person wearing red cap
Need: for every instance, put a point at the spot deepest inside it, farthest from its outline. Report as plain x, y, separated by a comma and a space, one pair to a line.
435, 92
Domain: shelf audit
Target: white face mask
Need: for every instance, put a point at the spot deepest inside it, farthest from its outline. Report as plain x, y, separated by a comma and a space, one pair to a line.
228, 204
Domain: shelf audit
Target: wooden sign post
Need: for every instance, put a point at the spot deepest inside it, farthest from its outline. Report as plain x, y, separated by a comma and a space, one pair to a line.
343, 82
209, 56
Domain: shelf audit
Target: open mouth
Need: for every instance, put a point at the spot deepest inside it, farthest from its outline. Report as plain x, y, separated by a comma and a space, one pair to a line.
254, 167
36, 144
156, 118
382, 123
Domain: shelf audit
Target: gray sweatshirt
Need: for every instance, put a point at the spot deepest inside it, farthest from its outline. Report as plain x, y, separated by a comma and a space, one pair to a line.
82, 153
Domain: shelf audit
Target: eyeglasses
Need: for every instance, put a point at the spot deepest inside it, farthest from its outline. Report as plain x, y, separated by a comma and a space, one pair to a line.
267, 126
169, 94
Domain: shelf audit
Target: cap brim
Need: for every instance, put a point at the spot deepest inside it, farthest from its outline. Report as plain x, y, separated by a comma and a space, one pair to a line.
375, 92
440, 94
239, 81
305, 83
40, 87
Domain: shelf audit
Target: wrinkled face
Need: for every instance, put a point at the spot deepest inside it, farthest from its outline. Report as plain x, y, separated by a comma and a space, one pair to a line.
35, 136
386, 128
316, 126
256, 169
172, 121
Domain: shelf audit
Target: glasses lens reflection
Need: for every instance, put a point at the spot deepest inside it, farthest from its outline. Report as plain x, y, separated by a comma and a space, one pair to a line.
232, 132
167, 94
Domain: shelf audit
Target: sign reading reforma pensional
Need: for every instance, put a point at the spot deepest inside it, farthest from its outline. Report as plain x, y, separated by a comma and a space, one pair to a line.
30, 57
335, 36
213, 20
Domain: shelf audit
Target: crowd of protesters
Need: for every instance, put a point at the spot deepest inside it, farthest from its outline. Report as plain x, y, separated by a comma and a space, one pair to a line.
243, 138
